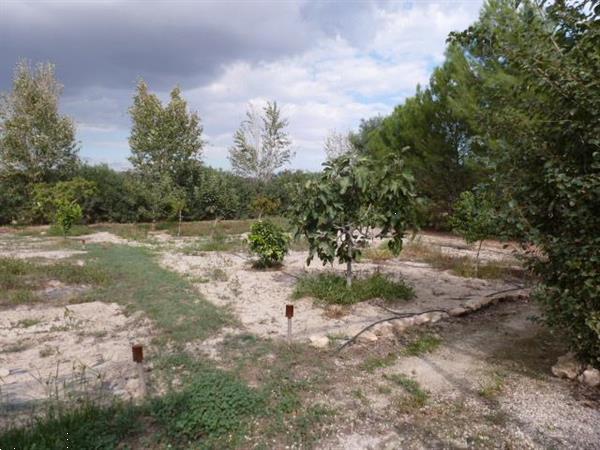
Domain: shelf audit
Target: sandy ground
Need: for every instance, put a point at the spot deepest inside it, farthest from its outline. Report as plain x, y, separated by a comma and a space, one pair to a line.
54, 351
50, 349
489, 386
258, 297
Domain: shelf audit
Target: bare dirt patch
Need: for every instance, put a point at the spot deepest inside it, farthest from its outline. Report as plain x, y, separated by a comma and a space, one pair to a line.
258, 297
47, 352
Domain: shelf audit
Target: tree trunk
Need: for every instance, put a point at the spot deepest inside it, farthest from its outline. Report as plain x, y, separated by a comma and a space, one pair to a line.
179, 225
477, 259
349, 262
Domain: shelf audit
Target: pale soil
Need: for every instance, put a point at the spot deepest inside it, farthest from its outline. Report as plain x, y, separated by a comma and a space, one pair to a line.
498, 345
50, 351
258, 297
489, 386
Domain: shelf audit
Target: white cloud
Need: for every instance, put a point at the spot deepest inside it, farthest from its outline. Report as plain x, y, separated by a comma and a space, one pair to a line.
338, 79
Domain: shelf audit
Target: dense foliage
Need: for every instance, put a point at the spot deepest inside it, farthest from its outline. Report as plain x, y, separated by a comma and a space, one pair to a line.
529, 86
354, 196
269, 241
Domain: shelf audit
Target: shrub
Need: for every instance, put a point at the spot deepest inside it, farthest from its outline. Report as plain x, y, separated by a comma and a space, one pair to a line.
332, 288
67, 214
269, 242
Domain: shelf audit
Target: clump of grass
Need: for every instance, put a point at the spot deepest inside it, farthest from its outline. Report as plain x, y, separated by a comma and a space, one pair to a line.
462, 266
425, 343
493, 386
82, 426
417, 396
26, 323
378, 254
332, 289
217, 243
217, 274
20, 279
376, 362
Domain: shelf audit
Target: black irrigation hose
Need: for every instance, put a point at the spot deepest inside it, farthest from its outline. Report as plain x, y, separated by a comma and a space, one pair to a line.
396, 317
402, 315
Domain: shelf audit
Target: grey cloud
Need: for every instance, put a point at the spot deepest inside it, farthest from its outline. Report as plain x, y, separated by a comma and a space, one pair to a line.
110, 44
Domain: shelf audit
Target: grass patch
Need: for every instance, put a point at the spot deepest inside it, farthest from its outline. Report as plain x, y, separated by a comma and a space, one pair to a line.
331, 289
376, 362
140, 283
19, 279
417, 396
26, 323
462, 266
87, 426
378, 254
425, 343
493, 386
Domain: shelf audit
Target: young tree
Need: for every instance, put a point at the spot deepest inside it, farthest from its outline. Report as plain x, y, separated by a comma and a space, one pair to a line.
37, 143
261, 144
474, 219
354, 196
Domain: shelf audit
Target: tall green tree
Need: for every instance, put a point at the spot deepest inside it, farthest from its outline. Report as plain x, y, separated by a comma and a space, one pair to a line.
529, 84
166, 146
36, 141
441, 152
261, 144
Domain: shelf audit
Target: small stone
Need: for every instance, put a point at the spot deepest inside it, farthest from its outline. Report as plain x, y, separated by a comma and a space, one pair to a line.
457, 312
4, 372
421, 319
399, 326
567, 366
477, 303
319, 341
591, 377
367, 336
383, 329
436, 316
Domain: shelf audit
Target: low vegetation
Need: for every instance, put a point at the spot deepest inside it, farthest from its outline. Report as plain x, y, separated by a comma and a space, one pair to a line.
22, 281
269, 241
332, 289
422, 344
138, 282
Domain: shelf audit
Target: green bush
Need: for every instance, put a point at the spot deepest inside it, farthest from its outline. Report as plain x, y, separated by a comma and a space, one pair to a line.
331, 288
67, 214
213, 404
269, 242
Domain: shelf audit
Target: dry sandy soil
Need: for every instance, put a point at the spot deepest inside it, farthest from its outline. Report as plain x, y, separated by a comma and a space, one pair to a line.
489, 382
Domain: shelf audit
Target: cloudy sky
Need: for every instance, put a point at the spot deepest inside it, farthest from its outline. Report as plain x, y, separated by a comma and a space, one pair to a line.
328, 63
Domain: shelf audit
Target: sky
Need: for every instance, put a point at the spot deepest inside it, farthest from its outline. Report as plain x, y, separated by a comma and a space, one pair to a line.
327, 63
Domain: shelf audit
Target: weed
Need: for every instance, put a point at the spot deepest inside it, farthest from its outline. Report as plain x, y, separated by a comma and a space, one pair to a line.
376, 362
217, 274
26, 323
425, 343
46, 351
378, 254
331, 288
463, 266
417, 396
16, 347
493, 386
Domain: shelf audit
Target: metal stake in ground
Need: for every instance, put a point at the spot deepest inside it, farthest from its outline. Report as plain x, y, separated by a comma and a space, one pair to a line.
289, 313
137, 352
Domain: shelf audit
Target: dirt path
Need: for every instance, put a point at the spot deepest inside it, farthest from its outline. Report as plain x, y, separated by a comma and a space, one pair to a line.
488, 385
